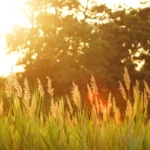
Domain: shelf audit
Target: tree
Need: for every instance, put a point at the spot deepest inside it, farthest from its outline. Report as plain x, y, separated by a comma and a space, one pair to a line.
116, 44
69, 49
55, 40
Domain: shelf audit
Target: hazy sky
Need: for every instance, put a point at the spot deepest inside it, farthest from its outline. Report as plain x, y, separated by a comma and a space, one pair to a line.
110, 3
133, 3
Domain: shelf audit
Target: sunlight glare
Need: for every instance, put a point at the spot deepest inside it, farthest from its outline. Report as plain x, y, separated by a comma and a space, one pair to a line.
10, 15
8, 64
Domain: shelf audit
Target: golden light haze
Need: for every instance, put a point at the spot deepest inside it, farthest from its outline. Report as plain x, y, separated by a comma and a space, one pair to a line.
11, 15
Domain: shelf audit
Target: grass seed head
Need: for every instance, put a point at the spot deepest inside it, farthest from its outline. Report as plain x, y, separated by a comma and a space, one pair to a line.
129, 110
90, 94
68, 119
50, 89
18, 88
9, 85
27, 93
126, 78
93, 85
117, 116
76, 96
146, 88
122, 90
145, 101
69, 105
40, 88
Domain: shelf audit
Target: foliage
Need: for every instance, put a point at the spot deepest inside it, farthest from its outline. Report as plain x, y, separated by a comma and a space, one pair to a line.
69, 48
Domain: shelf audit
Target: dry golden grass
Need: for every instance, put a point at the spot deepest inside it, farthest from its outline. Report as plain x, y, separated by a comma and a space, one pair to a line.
76, 96
100, 113
147, 89
129, 110
68, 123
9, 85
116, 111
18, 88
90, 94
93, 85
94, 117
70, 106
52, 108
40, 88
50, 89
126, 78
27, 93
122, 91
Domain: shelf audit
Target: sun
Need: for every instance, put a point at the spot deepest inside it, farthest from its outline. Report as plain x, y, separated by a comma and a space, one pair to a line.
10, 15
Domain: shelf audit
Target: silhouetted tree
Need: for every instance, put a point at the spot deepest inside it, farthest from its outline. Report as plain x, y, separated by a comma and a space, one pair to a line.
70, 47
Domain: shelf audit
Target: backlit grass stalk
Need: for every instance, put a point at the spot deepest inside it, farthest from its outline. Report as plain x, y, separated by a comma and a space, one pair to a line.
136, 111
70, 127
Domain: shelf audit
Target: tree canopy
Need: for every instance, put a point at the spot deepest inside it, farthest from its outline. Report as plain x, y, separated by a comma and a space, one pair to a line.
68, 42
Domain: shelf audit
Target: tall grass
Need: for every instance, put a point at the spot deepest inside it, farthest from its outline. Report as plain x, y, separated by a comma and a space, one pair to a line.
32, 120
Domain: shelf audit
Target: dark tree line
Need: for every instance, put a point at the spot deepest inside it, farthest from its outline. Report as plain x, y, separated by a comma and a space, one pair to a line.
68, 42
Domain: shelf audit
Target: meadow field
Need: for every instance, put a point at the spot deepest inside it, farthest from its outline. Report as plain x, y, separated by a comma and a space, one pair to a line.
33, 119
